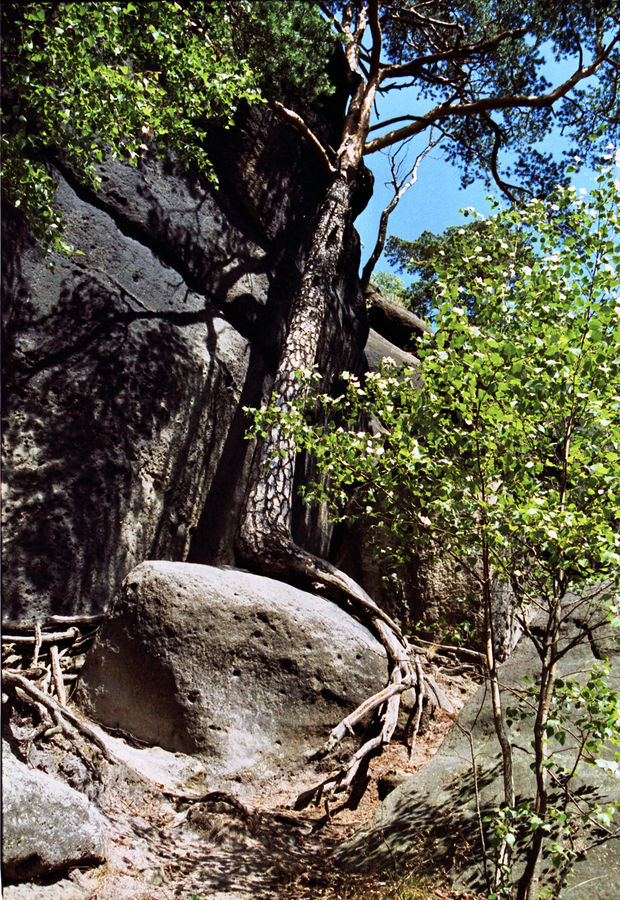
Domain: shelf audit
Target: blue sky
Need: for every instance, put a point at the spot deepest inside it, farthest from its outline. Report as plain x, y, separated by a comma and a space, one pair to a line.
434, 201
431, 204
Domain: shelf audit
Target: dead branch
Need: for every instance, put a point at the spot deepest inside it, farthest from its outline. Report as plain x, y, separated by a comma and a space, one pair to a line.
40, 638
244, 812
33, 673
57, 676
31, 624
39, 657
62, 714
47, 680
347, 724
400, 186
298, 123
433, 647
417, 710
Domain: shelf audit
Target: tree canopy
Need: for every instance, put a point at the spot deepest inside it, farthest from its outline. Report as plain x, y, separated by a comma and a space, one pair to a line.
422, 257
85, 79
476, 71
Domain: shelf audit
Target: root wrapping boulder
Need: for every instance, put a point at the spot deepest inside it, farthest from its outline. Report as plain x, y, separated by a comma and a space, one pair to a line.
243, 671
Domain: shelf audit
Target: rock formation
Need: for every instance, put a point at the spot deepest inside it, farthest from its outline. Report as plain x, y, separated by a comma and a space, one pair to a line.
127, 365
47, 827
241, 671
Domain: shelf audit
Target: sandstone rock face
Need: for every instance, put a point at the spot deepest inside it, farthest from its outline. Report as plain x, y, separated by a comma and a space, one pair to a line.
439, 801
243, 671
123, 378
127, 367
395, 322
379, 348
47, 827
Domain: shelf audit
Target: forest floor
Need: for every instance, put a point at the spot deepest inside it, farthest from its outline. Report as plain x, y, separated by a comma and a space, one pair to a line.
164, 846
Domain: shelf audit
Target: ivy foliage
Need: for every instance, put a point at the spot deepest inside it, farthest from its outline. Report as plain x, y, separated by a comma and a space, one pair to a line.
83, 80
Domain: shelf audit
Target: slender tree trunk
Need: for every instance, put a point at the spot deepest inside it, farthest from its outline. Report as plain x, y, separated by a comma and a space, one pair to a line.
266, 525
527, 888
503, 854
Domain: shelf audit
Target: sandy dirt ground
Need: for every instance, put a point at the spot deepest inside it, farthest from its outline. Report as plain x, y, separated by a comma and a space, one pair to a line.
164, 845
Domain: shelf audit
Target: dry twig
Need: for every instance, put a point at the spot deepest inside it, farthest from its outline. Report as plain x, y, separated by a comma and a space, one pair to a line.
62, 714
57, 676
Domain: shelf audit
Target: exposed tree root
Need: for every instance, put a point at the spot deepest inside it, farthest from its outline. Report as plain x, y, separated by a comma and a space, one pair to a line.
278, 555
64, 717
415, 716
249, 816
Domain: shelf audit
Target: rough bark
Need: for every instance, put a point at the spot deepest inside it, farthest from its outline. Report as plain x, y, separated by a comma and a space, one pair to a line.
265, 537
266, 522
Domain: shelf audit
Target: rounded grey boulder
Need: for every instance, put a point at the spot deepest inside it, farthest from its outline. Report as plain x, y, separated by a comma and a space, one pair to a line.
47, 827
243, 671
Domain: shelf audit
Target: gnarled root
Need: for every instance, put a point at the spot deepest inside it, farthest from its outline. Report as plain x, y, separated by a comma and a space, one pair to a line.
279, 555
64, 717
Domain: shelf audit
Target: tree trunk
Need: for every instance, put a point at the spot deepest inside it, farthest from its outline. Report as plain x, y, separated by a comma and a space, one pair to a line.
527, 888
266, 521
265, 537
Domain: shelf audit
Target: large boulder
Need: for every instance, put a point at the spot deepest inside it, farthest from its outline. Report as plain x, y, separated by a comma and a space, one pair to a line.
47, 827
436, 808
243, 671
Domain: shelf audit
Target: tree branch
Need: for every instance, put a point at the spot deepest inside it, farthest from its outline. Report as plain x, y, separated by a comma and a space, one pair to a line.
400, 188
485, 104
298, 123
413, 67
18, 681
395, 120
375, 30
332, 18
437, 22
506, 188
